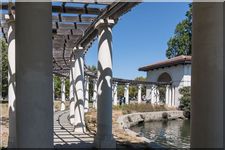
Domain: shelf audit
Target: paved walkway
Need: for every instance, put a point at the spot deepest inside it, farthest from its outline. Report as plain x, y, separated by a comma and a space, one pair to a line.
64, 137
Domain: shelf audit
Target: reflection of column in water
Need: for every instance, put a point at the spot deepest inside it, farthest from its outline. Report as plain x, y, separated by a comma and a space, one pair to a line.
173, 131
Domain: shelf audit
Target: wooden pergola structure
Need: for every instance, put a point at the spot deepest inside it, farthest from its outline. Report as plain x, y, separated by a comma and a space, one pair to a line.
73, 25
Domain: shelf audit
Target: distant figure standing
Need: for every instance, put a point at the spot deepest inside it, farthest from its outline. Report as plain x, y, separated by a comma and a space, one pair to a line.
143, 98
124, 100
121, 100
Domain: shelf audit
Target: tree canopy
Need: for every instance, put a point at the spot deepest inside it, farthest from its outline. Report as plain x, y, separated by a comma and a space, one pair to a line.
180, 43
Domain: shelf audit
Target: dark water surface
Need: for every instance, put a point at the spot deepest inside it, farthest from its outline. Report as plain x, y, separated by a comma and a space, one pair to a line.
170, 134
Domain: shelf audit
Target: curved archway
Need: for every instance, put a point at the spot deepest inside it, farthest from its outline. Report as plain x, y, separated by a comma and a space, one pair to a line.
164, 77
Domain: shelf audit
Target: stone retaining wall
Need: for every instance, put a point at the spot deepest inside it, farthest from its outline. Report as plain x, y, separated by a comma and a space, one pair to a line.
130, 120
133, 119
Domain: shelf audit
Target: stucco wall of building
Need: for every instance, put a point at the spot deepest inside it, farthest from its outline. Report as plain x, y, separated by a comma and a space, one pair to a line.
180, 75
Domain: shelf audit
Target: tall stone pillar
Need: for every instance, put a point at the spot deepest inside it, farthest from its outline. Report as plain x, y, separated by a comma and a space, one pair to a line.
104, 137
139, 93
71, 93
95, 95
78, 77
86, 99
53, 89
63, 94
172, 95
126, 93
11, 79
167, 95
34, 105
115, 97
207, 100
53, 93
153, 95
157, 95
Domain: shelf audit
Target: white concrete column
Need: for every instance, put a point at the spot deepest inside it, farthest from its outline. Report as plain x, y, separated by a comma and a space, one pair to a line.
104, 137
78, 77
126, 93
115, 97
95, 95
157, 95
86, 99
148, 92
207, 102
63, 94
34, 105
153, 94
139, 93
53, 93
174, 96
71, 93
170, 96
11, 79
176, 100
53, 89
167, 95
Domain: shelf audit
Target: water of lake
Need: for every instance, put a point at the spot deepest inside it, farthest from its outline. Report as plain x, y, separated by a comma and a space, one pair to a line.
169, 134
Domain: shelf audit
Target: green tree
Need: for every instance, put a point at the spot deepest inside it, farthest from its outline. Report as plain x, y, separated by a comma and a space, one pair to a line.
57, 86
140, 78
143, 89
4, 60
133, 91
180, 43
67, 87
120, 90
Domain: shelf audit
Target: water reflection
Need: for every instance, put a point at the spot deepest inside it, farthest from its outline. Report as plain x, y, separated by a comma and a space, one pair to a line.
171, 134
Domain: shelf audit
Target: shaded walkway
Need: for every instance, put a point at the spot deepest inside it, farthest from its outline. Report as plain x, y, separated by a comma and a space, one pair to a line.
64, 136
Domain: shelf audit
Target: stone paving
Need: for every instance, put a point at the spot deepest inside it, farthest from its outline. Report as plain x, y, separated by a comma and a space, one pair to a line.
64, 137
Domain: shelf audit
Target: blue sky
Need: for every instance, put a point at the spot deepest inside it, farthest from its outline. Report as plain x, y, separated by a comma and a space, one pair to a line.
140, 37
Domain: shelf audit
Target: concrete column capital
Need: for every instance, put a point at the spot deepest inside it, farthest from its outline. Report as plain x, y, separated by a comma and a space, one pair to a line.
104, 23
95, 81
168, 86
87, 78
63, 78
78, 52
10, 18
127, 84
139, 86
115, 84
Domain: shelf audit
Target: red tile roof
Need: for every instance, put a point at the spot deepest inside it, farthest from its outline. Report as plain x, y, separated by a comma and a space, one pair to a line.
168, 63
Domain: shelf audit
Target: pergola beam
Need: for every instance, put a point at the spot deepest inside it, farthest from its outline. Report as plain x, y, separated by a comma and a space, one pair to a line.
67, 9
99, 2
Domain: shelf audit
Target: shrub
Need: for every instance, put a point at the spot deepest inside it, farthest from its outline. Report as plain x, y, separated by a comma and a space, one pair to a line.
185, 101
131, 108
